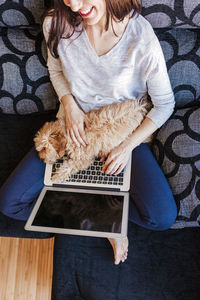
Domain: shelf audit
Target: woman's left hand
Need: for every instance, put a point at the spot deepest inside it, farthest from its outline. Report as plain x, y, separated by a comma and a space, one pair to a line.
117, 159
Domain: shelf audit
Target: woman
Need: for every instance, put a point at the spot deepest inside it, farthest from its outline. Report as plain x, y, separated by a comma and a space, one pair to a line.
101, 52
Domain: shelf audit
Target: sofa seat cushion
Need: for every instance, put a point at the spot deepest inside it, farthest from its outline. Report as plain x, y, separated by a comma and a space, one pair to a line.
177, 149
181, 49
21, 14
24, 82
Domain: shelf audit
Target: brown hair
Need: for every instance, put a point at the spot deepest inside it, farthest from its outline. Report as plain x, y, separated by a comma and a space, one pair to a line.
63, 16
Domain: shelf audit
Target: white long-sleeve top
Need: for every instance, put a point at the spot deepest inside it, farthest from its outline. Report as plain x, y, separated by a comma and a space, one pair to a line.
133, 67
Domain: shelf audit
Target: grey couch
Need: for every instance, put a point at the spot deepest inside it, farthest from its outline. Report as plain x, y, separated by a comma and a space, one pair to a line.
159, 262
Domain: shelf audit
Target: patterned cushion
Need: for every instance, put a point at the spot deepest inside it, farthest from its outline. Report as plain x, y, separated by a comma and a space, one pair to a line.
25, 13
24, 82
182, 54
177, 149
169, 13
172, 13
23, 54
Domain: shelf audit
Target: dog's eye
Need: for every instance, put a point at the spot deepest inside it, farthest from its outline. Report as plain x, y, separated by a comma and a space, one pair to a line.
43, 151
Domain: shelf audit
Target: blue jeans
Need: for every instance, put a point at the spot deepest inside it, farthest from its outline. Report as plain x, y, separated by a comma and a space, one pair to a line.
151, 201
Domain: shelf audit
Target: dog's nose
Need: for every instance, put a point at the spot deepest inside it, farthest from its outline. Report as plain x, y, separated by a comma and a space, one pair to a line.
42, 159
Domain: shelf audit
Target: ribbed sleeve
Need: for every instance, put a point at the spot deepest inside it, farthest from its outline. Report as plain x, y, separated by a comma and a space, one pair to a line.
159, 87
54, 65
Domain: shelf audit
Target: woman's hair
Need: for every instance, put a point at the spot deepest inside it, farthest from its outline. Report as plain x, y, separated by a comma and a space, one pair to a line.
63, 16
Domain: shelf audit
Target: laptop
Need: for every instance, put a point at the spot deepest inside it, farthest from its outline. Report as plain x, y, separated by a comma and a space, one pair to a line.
89, 203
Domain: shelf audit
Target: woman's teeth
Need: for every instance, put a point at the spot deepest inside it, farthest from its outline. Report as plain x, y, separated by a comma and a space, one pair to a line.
85, 13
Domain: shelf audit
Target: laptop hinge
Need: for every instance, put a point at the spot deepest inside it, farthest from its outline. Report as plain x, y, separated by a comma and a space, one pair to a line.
86, 187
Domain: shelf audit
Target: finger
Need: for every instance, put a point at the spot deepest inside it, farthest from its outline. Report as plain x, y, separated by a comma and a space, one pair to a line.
68, 135
113, 166
121, 167
107, 163
78, 137
66, 128
74, 138
87, 123
102, 159
111, 170
83, 136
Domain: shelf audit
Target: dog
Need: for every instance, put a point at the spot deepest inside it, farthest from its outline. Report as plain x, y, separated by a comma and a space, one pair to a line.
110, 125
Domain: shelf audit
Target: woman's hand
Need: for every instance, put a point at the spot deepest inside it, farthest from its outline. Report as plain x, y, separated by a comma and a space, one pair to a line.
117, 159
76, 121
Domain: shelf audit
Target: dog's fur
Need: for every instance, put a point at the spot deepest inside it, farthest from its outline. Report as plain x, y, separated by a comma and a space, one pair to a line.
110, 125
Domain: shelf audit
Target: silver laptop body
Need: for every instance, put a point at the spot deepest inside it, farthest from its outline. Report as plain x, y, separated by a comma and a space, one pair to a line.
92, 178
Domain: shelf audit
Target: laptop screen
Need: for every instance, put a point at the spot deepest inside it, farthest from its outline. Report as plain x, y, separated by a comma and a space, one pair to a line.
80, 211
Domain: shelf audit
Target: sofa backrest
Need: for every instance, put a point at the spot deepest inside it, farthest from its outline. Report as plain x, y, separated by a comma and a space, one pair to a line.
172, 13
24, 82
177, 25
22, 14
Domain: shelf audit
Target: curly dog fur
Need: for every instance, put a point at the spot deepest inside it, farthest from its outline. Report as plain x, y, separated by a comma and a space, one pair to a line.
110, 125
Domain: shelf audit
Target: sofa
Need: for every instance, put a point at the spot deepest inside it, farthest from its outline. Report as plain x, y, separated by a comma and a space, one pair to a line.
161, 265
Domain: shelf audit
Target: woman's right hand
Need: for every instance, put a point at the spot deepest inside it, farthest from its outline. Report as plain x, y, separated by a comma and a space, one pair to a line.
76, 121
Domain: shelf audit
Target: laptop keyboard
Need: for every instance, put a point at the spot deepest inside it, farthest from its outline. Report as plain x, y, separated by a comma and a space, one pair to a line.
93, 174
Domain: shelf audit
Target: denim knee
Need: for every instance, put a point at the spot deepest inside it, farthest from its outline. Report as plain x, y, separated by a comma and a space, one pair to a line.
164, 219
7, 202
18, 203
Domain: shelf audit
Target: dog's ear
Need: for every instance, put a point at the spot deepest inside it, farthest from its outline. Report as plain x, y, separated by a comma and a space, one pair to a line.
43, 154
42, 136
50, 135
37, 140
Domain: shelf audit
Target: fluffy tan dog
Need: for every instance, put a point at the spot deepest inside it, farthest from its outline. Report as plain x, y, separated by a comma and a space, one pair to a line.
110, 125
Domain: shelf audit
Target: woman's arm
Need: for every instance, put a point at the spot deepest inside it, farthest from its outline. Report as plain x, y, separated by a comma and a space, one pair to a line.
56, 75
75, 118
160, 91
159, 86
147, 128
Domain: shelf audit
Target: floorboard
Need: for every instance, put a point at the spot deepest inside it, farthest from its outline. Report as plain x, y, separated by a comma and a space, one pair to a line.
26, 268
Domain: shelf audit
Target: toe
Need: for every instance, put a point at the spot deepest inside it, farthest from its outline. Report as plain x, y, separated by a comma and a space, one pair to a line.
117, 261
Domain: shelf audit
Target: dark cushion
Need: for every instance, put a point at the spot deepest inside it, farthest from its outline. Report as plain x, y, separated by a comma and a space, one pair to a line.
24, 82
16, 138
177, 149
172, 13
182, 54
26, 13
15, 228
159, 267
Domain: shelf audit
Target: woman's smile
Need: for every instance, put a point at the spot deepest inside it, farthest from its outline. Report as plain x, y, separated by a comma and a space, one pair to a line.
92, 11
86, 13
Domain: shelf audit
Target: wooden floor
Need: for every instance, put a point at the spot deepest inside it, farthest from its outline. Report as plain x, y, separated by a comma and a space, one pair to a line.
26, 267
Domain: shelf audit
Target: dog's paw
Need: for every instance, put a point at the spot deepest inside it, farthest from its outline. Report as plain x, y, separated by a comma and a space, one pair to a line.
59, 178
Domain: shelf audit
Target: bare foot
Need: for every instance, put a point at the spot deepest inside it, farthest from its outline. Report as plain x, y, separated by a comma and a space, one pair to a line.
120, 248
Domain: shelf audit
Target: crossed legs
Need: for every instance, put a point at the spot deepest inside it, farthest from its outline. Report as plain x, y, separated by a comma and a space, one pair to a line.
151, 201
